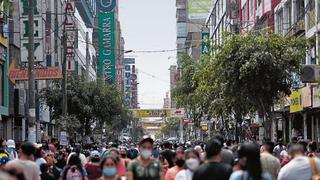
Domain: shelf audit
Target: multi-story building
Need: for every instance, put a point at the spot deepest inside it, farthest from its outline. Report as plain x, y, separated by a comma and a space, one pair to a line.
166, 101
301, 18
174, 75
223, 17
257, 14
182, 30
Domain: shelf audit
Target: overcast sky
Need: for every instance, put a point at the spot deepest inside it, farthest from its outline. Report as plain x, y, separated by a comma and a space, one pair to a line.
149, 25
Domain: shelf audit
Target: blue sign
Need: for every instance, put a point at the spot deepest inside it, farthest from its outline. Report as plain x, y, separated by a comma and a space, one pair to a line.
106, 5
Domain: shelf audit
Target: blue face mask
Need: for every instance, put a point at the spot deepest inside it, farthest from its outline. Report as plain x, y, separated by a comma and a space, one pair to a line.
109, 171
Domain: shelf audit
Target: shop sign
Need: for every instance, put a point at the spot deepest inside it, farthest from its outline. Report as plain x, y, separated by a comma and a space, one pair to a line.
306, 96
296, 101
316, 97
15, 74
152, 113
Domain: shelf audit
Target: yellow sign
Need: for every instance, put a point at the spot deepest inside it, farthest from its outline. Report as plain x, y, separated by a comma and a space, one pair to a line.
152, 113
296, 101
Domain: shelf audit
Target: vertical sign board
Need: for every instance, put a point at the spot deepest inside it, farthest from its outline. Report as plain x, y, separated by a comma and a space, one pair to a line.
106, 21
205, 43
70, 27
127, 85
39, 29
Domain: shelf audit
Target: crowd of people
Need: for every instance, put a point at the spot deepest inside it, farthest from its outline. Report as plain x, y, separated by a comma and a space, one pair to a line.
148, 160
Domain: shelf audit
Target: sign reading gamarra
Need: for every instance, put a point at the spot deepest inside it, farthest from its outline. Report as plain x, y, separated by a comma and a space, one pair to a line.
106, 16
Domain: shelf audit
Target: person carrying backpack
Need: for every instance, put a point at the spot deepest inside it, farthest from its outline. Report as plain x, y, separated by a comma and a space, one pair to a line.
74, 170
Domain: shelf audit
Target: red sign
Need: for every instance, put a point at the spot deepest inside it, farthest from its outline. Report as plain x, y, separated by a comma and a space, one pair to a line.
40, 73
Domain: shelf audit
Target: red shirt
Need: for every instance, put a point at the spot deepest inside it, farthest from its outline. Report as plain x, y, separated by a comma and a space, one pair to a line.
94, 171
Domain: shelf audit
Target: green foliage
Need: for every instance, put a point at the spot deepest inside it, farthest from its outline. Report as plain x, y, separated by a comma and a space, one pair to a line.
247, 73
90, 105
171, 127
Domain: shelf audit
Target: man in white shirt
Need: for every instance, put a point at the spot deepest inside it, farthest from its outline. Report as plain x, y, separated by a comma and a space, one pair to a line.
299, 167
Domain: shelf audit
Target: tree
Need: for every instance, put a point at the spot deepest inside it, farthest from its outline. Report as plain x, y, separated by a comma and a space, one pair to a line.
90, 105
170, 128
248, 73
252, 72
184, 94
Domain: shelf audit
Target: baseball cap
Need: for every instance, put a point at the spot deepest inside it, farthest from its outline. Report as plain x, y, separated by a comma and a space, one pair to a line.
95, 154
11, 143
146, 138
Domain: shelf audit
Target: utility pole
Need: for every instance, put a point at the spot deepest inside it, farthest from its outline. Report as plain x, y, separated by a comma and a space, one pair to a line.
31, 80
64, 68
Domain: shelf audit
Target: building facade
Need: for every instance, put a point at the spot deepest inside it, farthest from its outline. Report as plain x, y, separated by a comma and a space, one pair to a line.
301, 18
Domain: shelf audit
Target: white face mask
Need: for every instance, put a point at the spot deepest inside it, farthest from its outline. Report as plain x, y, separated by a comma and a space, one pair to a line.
192, 163
145, 153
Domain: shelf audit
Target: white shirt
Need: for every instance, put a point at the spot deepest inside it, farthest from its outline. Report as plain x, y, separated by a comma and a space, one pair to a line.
40, 161
297, 168
185, 174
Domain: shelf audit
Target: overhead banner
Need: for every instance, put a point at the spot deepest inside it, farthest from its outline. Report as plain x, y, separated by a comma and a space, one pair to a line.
199, 9
296, 101
152, 113
107, 69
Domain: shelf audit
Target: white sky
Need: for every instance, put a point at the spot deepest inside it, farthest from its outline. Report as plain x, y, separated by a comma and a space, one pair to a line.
150, 25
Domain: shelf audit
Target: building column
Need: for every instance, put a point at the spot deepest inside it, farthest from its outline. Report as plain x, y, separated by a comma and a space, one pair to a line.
306, 17
317, 29
313, 134
294, 11
305, 126
317, 129
290, 128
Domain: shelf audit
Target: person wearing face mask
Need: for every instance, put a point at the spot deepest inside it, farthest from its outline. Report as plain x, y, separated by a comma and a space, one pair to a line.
11, 145
123, 155
214, 167
179, 163
109, 169
121, 165
144, 167
192, 162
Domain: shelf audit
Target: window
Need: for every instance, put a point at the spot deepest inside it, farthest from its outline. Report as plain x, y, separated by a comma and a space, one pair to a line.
244, 16
300, 10
311, 14
280, 22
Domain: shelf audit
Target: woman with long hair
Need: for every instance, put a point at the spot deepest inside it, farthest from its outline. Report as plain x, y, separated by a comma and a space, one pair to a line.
250, 166
74, 169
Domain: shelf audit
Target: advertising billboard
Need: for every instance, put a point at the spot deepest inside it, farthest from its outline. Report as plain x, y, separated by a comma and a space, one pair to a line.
296, 101
106, 21
199, 9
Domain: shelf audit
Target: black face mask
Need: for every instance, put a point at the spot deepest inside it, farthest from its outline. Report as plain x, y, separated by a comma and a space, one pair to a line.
123, 155
180, 162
